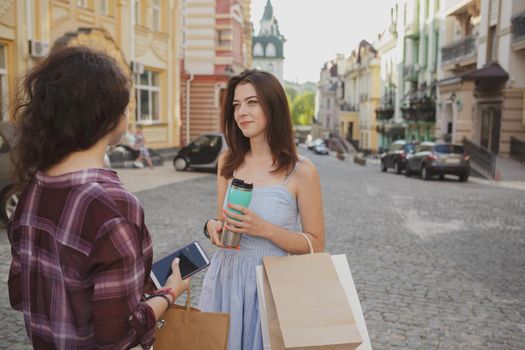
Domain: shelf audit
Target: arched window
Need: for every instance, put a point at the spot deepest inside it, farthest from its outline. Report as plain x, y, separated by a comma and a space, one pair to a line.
270, 50
258, 50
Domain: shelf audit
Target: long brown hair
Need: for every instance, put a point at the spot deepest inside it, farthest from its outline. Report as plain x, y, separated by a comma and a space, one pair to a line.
65, 104
279, 130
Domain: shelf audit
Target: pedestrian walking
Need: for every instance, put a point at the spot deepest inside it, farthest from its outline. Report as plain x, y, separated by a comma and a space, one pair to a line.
140, 145
257, 126
81, 253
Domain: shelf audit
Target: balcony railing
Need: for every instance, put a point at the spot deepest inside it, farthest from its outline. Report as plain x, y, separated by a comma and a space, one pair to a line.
410, 72
517, 150
349, 107
459, 50
420, 110
385, 113
518, 27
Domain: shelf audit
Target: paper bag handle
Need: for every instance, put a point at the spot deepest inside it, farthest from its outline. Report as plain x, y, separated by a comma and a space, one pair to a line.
188, 299
309, 242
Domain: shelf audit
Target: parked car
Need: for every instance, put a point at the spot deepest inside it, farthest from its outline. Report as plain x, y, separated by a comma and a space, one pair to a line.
321, 149
314, 143
432, 159
201, 153
8, 201
396, 156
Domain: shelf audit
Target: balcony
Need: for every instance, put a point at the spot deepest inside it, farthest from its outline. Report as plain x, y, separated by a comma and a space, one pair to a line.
349, 107
410, 72
518, 31
462, 52
420, 110
384, 113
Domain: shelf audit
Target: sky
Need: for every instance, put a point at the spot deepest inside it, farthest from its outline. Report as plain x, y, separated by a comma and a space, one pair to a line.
316, 30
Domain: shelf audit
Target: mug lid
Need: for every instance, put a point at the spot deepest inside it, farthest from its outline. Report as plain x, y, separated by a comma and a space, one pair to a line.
241, 184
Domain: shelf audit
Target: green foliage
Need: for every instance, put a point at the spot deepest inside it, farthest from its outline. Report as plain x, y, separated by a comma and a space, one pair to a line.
303, 108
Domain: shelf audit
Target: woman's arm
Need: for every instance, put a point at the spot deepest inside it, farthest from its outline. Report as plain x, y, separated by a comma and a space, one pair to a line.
310, 205
215, 226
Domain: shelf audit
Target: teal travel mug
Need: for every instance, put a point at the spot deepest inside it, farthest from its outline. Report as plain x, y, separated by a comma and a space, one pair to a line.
239, 193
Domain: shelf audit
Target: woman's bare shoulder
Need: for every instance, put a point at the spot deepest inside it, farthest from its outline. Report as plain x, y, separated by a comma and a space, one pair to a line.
306, 171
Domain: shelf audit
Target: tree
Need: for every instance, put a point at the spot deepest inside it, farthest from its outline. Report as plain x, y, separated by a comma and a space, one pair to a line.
303, 108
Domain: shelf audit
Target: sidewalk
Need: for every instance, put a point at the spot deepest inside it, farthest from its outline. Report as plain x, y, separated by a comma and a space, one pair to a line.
136, 180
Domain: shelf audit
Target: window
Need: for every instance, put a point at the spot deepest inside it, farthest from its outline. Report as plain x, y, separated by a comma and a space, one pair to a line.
104, 7
82, 3
136, 6
258, 50
449, 149
156, 15
491, 45
147, 93
3, 84
270, 50
223, 37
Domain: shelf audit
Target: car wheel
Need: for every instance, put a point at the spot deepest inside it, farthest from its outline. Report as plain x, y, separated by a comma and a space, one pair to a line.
8, 204
408, 173
397, 168
383, 166
463, 178
424, 173
180, 164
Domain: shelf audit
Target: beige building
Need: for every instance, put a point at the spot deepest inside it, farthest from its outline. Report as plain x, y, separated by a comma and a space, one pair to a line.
362, 96
142, 35
483, 73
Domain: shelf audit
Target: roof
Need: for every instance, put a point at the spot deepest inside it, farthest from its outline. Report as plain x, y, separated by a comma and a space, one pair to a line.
491, 72
268, 11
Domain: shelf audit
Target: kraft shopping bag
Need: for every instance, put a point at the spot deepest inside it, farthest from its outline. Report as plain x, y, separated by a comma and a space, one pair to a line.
306, 305
345, 277
185, 327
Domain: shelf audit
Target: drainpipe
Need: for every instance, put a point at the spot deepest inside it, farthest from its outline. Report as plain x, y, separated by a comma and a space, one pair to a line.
29, 23
188, 100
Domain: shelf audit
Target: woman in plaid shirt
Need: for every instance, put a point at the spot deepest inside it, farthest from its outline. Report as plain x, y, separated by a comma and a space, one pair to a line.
81, 253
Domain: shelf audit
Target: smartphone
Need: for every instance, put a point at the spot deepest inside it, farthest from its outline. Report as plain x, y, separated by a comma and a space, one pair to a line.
192, 259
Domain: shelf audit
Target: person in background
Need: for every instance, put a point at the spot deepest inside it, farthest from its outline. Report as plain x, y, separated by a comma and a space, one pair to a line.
140, 145
81, 253
257, 125
128, 143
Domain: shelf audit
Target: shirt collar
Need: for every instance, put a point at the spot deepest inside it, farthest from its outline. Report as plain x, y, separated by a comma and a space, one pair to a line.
77, 178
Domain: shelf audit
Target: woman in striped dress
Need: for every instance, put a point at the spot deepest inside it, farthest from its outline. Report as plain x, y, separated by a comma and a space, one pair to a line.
257, 126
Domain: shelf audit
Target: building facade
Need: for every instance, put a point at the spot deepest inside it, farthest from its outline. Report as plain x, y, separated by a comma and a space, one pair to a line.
483, 75
214, 48
141, 35
326, 107
268, 45
361, 91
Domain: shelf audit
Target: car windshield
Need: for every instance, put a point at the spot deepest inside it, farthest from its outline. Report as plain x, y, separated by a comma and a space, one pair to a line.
410, 147
449, 149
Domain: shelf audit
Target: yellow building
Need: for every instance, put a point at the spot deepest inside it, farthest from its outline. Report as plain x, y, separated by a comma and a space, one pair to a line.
362, 94
141, 34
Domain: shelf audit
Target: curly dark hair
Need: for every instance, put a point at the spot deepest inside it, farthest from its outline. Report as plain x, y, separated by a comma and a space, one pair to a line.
65, 104
279, 132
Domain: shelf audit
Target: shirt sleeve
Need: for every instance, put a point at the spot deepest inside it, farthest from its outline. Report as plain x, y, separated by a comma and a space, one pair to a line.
121, 318
14, 280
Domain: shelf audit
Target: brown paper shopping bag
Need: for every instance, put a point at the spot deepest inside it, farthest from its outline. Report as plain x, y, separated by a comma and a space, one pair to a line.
306, 305
190, 329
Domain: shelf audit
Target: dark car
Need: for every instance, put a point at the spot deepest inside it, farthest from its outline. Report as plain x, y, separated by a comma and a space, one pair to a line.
8, 200
439, 159
201, 153
321, 149
396, 156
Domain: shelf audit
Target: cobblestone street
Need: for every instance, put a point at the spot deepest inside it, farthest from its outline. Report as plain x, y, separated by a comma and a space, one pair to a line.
437, 264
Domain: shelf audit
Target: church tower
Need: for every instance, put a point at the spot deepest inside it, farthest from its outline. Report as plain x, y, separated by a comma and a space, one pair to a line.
267, 46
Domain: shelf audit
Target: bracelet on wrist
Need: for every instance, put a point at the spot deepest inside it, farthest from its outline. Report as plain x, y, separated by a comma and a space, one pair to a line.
205, 229
163, 296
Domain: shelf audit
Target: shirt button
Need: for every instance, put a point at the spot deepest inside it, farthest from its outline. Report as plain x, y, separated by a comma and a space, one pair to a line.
130, 318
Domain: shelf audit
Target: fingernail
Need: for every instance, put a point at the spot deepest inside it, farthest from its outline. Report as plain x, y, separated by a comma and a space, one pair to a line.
177, 260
